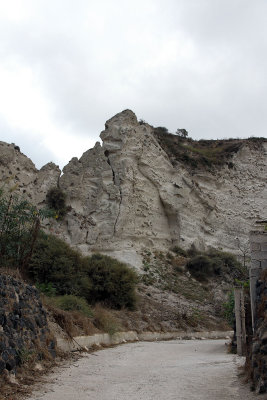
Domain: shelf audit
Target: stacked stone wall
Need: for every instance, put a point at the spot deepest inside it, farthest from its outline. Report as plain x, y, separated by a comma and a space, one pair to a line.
258, 242
257, 352
24, 330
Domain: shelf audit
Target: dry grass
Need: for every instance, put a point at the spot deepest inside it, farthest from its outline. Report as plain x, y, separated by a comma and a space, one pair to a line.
73, 323
105, 321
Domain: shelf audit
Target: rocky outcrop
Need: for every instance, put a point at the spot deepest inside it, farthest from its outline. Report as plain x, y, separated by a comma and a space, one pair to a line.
24, 331
126, 195
18, 172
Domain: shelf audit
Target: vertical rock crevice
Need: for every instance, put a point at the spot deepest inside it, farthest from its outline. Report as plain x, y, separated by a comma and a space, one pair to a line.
116, 182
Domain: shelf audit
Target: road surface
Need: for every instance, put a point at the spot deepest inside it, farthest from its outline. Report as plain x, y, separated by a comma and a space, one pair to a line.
173, 370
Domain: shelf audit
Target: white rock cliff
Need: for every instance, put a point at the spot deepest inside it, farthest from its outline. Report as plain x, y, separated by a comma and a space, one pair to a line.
126, 196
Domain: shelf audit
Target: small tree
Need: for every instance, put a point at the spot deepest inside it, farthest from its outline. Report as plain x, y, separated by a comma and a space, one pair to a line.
182, 133
244, 248
56, 200
19, 227
161, 130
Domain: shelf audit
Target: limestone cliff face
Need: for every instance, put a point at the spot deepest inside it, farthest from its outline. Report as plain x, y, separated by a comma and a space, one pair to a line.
18, 171
126, 195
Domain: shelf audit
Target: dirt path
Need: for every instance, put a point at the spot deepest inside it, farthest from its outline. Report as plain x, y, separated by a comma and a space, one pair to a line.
180, 370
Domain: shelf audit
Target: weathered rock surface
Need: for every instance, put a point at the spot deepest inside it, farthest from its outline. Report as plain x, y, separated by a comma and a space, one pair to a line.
18, 171
126, 195
24, 329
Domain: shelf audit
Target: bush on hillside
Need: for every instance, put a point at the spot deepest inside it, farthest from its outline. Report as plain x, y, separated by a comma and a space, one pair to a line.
72, 303
55, 262
56, 200
200, 267
179, 251
228, 308
113, 283
226, 263
215, 262
97, 278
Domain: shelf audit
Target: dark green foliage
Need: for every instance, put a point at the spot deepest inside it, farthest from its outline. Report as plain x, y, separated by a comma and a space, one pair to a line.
179, 251
55, 262
72, 303
205, 153
19, 226
97, 278
226, 263
229, 309
46, 288
200, 267
193, 251
214, 262
56, 200
113, 282
182, 133
142, 122
161, 130
257, 139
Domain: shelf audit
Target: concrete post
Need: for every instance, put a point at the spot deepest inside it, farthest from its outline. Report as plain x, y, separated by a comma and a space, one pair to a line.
240, 321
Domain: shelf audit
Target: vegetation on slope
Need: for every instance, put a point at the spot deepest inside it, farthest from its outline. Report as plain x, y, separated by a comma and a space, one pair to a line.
201, 153
201, 280
19, 227
97, 279
76, 284
56, 201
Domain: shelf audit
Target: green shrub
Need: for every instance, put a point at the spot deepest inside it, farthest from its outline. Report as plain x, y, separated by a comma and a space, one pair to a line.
113, 283
200, 267
229, 309
195, 154
97, 278
161, 130
54, 261
179, 251
216, 262
72, 303
46, 288
226, 263
56, 200
182, 133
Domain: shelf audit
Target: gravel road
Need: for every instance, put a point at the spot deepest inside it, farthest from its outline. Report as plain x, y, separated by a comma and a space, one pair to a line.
179, 369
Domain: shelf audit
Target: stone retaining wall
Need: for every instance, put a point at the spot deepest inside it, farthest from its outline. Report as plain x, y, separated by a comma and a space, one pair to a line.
257, 351
85, 342
257, 359
23, 324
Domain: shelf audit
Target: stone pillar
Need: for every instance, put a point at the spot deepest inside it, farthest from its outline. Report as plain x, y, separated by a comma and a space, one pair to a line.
258, 247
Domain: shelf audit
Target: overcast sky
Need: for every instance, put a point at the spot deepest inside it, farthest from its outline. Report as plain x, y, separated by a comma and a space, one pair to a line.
67, 66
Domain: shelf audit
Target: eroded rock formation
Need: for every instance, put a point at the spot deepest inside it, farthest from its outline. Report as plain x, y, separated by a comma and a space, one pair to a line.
126, 195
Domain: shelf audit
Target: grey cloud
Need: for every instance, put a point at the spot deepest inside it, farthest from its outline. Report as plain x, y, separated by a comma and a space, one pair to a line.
93, 59
29, 145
